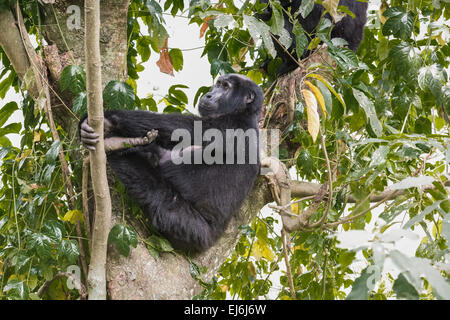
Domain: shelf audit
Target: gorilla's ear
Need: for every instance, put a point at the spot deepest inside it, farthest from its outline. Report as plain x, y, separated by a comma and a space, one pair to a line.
250, 97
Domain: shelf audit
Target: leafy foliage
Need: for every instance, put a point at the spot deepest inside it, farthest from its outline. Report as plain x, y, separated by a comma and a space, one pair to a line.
384, 112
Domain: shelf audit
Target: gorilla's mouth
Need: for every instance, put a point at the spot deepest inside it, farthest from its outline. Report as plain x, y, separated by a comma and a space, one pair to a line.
205, 106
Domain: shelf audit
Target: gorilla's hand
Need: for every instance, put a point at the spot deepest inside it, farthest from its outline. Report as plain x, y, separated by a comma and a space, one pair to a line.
89, 138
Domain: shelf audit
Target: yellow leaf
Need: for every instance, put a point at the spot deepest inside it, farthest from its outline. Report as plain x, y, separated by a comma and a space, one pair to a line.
295, 208
24, 154
318, 96
36, 136
440, 40
382, 9
72, 216
285, 298
325, 82
313, 115
261, 250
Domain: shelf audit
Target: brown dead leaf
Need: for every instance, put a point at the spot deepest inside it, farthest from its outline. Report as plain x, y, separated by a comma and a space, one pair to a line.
204, 26
165, 62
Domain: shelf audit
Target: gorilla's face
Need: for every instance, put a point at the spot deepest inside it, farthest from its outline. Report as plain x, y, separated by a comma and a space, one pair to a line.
231, 93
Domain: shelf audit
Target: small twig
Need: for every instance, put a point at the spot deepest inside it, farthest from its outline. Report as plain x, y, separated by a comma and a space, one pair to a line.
348, 219
284, 236
330, 187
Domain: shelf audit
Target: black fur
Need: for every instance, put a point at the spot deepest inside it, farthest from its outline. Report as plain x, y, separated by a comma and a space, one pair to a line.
190, 204
352, 30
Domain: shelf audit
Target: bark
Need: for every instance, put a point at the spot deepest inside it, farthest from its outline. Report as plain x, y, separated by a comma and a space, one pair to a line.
11, 43
97, 267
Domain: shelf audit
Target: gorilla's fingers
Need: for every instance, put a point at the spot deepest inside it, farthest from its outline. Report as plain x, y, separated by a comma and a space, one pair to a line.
89, 147
86, 127
151, 135
88, 135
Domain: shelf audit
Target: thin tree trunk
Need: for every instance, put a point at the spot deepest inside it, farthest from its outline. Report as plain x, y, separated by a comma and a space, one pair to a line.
97, 267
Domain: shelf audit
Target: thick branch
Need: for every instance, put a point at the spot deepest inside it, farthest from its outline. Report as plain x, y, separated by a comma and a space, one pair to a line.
11, 43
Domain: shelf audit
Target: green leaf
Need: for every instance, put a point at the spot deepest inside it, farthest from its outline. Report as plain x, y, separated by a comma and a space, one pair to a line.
220, 67
177, 59
403, 289
53, 229
123, 237
421, 216
119, 95
277, 20
69, 250
52, 153
6, 84
345, 57
74, 78
200, 93
6, 111
432, 78
16, 290
305, 8
178, 95
422, 126
416, 269
143, 47
411, 182
41, 244
10, 128
379, 156
259, 29
301, 39
47, 173
370, 111
406, 60
304, 161
158, 243
80, 103
360, 289
399, 23
149, 103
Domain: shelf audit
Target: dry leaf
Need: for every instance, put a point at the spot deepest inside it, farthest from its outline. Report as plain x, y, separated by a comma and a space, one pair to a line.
204, 26
318, 96
165, 63
313, 115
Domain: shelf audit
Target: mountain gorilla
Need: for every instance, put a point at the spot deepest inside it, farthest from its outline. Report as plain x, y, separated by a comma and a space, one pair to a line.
348, 28
190, 204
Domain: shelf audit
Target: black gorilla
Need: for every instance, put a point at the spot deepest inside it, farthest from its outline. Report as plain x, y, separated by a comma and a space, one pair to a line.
348, 28
190, 204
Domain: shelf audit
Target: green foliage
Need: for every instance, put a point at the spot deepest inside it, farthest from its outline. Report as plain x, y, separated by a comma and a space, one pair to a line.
387, 113
118, 95
123, 237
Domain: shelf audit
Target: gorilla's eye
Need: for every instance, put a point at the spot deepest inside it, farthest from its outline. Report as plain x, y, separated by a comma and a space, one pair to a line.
226, 85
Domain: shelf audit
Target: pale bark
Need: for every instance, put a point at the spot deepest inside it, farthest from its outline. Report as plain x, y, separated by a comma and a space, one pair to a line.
97, 271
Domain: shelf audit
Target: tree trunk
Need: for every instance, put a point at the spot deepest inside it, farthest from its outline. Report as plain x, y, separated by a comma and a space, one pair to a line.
97, 266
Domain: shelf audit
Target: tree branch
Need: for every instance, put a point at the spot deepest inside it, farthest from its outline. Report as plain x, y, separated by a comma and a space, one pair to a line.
11, 42
97, 272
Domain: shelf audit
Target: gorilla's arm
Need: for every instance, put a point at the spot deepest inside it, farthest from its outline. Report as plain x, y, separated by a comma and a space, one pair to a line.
136, 123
